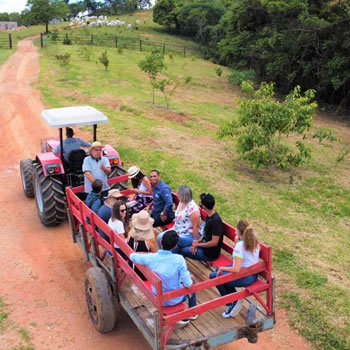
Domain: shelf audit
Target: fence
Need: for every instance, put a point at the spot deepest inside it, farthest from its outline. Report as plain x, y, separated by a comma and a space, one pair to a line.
6, 42
120, 42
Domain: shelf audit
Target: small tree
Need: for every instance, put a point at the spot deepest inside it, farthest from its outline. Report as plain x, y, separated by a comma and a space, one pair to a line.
153, 64
169, 86
63, 59
218, 72
86, 52
264, 123
104, 59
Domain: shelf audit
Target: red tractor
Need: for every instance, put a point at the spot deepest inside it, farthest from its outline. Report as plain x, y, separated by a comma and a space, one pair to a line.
47, 176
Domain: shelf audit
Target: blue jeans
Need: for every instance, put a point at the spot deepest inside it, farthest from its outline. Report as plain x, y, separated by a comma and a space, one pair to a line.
186, 252
184, 241
192, 300
229, 287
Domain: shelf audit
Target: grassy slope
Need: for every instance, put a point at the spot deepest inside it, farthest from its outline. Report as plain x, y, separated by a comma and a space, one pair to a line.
303, 214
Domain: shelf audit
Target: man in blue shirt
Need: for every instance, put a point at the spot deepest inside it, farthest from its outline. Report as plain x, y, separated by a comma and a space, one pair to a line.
171, 269
96, 166
70, 144
162, 212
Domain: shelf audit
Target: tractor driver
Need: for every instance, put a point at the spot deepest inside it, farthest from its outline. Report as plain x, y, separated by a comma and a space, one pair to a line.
70, 144
96, 166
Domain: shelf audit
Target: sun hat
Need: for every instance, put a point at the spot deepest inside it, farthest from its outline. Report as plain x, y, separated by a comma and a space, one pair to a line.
143, 226
96, 144
113, 196
133, 171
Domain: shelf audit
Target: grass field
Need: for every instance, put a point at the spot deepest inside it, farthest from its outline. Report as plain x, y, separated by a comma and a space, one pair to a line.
303, 213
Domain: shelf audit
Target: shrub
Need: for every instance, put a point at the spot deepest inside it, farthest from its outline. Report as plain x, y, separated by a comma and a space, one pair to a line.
63, 59
237, 77
104, 59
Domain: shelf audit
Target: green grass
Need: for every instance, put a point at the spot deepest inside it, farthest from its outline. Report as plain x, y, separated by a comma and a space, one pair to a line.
303, 214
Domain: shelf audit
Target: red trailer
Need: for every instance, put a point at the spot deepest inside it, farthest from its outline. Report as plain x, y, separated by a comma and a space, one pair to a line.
106, 284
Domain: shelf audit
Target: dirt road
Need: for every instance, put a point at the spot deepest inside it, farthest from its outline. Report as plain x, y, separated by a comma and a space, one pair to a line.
42, 271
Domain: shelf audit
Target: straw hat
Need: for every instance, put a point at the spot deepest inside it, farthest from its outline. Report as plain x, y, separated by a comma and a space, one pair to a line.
133, 171
96, 144
143, 226
113, 196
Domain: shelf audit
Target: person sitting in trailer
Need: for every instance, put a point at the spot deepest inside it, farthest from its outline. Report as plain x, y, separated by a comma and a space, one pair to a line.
207, 247
141, 236
187, 220
171, 269
142, 189
105, 211
70, 143
119, 223
95, 200
245, 254
96, 166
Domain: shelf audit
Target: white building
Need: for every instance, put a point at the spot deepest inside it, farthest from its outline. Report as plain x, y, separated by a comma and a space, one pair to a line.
8, 25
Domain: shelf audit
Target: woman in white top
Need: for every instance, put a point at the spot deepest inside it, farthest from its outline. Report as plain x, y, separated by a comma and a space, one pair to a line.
245, 254
142, 189
118, 222
187, 220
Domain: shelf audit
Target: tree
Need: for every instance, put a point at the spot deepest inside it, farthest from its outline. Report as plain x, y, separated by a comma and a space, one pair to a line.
42, 11
153, 64
264, 124
104, 59
169, 86
165, 13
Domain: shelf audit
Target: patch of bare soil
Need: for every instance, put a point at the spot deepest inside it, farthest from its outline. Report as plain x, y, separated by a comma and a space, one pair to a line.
42, 271
173, 116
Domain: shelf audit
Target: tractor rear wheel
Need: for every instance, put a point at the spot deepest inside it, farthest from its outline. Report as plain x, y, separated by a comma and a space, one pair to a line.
26, 169
118, 171
50, 197
100, 300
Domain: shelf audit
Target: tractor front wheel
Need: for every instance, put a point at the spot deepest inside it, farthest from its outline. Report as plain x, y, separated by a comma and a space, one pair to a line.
118, 171
50, 198
100, 300
26, 169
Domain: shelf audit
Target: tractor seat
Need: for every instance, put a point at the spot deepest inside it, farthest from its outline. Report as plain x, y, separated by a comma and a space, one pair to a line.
76, 159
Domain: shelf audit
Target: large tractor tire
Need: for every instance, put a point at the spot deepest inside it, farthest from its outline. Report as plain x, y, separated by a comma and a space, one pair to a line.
118, 171
100, 300
26, 168
49, 196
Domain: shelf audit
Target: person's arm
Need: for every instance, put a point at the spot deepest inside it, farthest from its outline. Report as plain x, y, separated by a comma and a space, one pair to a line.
84, 143
168, 199
212, 243
236, 267
138, 258
195, 218
152, 245
105, 166
57, 149
89, 176
185, 275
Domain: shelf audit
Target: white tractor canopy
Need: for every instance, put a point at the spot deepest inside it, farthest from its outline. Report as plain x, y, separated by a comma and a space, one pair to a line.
73, 116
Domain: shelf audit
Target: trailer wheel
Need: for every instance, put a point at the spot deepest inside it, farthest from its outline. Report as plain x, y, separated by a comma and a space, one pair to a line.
49, 196
26, 169
99, 300
118, 171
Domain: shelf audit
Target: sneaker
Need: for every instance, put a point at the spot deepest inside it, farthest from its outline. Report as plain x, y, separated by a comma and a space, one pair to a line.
182, 323
233, 309
192, 318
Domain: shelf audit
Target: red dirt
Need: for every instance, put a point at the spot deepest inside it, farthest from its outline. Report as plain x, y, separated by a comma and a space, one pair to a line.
42, 271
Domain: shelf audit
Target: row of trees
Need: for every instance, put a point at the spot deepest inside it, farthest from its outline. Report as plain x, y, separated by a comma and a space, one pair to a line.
42, 11
290, 42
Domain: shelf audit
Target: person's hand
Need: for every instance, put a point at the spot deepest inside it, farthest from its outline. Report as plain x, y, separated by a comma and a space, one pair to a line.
193, 279
220, 271
163, 217
195, 243
103, 167
135, 190
193, 250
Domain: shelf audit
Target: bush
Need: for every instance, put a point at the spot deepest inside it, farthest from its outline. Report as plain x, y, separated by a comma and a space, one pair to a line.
67, 41
237, 77
63, 59
104, 59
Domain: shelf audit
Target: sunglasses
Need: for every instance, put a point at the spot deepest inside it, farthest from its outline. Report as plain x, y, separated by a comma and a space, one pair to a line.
122, 210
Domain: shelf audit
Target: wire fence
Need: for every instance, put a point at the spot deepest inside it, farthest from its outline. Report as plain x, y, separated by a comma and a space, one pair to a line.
122, 42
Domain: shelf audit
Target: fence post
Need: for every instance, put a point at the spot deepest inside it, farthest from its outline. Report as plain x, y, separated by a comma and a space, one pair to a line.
140, 45
10, 41
116, 42
163, 49
92, 39
185, 51
41, 40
